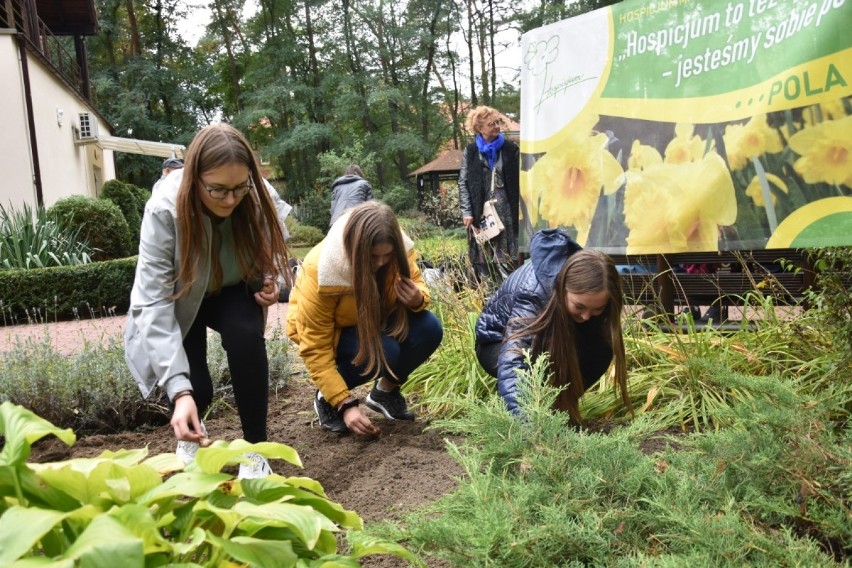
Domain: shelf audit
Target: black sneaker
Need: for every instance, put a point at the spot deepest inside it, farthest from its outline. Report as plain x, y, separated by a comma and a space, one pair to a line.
391, 404
329, 417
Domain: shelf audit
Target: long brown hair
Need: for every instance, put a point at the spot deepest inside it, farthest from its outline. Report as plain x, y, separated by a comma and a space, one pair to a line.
553, 330
370, 224
258, 238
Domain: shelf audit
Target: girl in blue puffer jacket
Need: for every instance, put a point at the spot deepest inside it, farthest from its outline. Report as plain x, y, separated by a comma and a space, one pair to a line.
565, 301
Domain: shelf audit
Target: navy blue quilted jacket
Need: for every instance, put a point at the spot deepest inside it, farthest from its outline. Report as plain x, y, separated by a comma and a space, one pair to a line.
523, 295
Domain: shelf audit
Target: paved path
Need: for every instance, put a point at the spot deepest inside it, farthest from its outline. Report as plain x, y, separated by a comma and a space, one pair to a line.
68, 337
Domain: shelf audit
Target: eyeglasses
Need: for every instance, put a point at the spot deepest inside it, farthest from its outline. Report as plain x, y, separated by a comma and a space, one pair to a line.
222, 192
493, 123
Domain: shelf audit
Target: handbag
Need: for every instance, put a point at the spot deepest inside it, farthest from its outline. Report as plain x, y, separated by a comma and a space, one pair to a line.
491, 224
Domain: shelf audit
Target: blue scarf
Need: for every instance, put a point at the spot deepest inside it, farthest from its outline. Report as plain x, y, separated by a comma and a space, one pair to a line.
490, 149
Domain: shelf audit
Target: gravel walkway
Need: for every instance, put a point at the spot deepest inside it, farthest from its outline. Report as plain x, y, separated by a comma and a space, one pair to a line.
67, 337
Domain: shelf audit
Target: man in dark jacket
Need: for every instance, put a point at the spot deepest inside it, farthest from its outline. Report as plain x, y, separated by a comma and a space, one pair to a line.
524, 295
348, 191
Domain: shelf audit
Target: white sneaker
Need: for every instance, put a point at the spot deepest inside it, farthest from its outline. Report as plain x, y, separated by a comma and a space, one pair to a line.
257, 469
186, 450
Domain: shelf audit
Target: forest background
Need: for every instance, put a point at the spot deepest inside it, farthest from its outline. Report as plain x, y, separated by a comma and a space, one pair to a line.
313, 83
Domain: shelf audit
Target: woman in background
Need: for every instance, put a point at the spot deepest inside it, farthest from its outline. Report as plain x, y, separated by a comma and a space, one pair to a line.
490, 169
348, 191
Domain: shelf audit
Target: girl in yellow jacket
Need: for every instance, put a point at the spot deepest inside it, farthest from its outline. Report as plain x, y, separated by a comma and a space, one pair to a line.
358, 313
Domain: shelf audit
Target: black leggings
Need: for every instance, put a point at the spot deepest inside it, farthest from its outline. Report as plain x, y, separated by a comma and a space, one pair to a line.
239, 319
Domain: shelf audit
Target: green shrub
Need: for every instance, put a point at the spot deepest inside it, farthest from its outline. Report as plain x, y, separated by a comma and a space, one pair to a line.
315, 210
453, 373
93, 392
679, 377
418, 227
291, 223
33, 239
770, 488
99, 222
831, 299
443, 251
332, 165
125, 508
126, 198
68, 292
141, 195
398, 197
306, 236
442, 207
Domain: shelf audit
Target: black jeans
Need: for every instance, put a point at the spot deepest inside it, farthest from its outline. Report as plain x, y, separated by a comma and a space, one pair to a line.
239, 319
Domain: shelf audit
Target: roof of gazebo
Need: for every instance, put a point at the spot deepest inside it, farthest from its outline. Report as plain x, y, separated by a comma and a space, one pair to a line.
449, 161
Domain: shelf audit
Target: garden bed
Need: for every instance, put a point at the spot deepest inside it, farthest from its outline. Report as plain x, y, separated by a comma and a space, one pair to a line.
379, 478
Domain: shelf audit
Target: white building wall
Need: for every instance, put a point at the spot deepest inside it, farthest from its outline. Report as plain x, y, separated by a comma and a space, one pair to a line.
66, 168
16, 186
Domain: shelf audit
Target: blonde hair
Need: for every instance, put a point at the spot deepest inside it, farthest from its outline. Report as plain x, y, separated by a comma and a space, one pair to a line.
553, 330
370, 224
479, 117
258, 238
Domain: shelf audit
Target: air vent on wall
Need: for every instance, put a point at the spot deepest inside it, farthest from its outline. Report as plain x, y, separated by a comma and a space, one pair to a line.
88, 128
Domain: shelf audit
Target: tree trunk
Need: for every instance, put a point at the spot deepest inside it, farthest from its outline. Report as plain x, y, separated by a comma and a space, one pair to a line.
227, 40
470, 55
133, 29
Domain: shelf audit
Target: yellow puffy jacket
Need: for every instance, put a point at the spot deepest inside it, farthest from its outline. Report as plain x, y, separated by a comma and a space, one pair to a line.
322, 303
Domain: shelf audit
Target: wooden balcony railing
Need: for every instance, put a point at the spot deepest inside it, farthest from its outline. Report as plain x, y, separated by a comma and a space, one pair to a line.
20, 15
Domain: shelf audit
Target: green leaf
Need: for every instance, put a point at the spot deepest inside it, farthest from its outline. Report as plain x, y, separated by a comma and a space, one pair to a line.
365, 545
106, 543
192, 483
44, 562
220, 454
100, 481
305, 522
165, 463
22, 528
21, 428
141, 523
256, 552
25, 484
270, 489
197, 537
229, 518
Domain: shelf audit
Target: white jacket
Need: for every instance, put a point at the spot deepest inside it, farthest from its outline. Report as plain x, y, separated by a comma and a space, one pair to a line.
156, 323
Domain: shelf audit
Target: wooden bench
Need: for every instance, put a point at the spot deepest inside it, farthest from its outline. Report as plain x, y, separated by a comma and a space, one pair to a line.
783, 274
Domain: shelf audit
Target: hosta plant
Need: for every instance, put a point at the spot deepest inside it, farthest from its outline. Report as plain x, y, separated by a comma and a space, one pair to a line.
125, 508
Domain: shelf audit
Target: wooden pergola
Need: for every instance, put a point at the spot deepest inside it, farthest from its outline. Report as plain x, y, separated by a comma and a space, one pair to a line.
444, 167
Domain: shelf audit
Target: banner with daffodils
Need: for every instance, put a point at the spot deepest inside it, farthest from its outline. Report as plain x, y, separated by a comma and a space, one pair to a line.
691, 125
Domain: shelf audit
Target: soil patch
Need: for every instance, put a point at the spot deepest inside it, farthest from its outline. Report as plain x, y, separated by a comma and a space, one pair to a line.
381, 478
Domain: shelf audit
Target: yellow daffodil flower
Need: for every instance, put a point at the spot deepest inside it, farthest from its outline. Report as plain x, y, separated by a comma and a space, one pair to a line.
679, 207
684, 147
826, 152
744, 142
756, 193
572, 176
832, 110
642, 156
